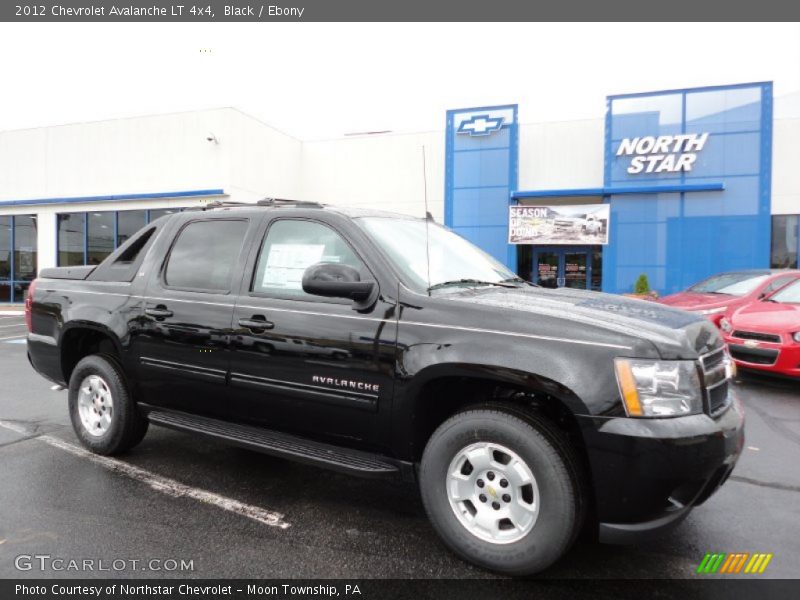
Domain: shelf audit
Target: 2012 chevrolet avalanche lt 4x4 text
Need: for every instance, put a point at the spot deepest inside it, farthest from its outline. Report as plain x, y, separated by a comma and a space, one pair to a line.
387, 346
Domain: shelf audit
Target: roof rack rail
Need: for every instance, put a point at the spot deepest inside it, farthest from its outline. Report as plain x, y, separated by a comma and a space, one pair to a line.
215, 204
286, 202
266, 202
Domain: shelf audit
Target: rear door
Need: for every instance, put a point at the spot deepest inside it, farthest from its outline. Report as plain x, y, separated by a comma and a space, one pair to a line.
183, 343
305, 363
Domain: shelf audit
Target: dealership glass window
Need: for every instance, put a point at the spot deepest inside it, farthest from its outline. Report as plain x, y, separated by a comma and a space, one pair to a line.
25, 247
128, 223
156, 214
88, 238
71, 239
785, 241
17, 256
99, 236
5, 249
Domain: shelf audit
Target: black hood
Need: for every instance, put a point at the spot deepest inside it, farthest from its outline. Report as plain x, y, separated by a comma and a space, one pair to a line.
673, 331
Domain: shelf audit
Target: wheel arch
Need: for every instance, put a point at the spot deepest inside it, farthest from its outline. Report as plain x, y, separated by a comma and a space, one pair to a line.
438, 392
79, 340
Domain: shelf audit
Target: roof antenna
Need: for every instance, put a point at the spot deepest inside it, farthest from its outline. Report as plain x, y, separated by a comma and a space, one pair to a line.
428, 219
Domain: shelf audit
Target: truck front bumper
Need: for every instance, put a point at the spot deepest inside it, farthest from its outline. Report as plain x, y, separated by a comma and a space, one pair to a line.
648, 474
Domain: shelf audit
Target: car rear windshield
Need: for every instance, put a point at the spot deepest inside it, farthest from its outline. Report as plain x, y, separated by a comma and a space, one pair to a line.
789, 295
732, 284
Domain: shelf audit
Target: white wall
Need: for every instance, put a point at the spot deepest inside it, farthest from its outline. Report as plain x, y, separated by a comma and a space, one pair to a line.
139, 155
786, 167
263, 160
565, 154
381, 171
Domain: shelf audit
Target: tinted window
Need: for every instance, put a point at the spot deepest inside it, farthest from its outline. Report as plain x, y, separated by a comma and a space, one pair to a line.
290, 247
205, 255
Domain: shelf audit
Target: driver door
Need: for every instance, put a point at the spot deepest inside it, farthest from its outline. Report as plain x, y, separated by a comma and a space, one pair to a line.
310, 364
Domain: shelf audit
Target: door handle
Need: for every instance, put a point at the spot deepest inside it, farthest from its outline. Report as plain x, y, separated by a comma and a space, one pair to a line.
256, 323
159, 312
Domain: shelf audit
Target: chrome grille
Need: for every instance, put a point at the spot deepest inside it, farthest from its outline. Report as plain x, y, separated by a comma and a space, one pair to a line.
715, 381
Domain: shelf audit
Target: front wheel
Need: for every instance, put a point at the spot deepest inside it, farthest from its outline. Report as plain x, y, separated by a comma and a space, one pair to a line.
103, 413
502, 490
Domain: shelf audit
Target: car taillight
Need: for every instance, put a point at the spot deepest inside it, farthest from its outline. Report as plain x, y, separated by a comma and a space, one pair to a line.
29, 305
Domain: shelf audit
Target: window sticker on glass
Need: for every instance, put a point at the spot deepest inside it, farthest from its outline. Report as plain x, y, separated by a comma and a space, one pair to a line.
286, 264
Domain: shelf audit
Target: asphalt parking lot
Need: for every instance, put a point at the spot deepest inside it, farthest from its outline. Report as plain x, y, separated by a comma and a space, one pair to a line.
235, 513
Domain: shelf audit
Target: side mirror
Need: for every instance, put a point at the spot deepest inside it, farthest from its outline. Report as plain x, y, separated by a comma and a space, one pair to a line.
333, 280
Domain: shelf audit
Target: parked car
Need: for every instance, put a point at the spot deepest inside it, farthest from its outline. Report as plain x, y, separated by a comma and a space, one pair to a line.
765, 335
724, 292
523, 413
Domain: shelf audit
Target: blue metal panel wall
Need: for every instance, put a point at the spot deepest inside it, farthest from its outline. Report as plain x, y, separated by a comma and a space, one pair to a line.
680, 238
481, 162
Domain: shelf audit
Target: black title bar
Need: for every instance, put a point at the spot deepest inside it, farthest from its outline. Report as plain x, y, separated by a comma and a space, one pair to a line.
400, 10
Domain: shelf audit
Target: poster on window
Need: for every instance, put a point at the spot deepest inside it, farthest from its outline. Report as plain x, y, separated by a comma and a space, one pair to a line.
551, 225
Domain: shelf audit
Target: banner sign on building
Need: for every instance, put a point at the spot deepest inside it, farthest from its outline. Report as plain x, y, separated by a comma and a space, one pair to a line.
551, 225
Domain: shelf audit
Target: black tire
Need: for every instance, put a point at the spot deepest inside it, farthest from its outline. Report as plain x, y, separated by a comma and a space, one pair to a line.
128, 426
554, 465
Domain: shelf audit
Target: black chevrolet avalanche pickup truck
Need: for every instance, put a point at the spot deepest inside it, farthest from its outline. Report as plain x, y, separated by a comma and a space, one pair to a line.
386, 346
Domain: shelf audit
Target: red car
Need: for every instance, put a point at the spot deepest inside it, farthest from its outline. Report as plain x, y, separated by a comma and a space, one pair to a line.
765, 335
726, 292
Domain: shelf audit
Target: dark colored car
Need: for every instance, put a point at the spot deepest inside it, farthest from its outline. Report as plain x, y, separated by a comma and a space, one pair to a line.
386, 346
765, 335
724, 292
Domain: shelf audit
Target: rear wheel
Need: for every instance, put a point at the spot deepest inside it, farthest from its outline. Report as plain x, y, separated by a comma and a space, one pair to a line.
502, 490
103, 413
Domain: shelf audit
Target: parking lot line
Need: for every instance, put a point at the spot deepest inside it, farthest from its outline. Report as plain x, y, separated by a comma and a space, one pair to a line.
14, 325
13, 337
165, 485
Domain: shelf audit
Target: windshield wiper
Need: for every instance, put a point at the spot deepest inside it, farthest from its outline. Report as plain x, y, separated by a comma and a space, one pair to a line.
444, 284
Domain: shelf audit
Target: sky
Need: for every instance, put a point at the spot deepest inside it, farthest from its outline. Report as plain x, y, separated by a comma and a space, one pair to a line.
318, 81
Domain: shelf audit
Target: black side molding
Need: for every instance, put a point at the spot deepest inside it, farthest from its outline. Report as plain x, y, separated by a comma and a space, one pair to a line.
276, 443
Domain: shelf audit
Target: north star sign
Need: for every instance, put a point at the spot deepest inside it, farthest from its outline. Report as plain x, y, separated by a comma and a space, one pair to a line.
662, 154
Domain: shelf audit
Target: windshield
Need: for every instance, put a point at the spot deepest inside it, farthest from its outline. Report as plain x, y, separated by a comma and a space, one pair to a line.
452, 257
789, 295
732, 284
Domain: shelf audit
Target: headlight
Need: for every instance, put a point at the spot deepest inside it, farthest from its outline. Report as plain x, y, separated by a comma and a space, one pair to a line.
725, 325
659, 388
796, 337
713, 311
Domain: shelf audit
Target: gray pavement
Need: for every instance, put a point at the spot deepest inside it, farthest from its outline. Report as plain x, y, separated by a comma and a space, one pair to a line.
177, 497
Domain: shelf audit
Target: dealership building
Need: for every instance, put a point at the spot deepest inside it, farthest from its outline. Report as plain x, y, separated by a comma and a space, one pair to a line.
676, 184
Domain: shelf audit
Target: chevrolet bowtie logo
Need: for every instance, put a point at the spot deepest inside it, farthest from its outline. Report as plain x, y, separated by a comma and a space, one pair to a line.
480, 125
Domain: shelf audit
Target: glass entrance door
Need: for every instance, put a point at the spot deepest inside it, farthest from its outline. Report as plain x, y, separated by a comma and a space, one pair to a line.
579, 267
575, 264
546, 269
